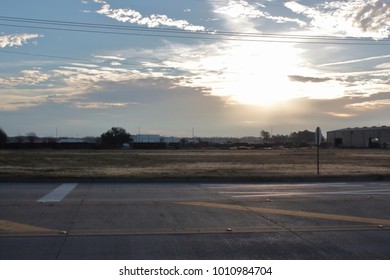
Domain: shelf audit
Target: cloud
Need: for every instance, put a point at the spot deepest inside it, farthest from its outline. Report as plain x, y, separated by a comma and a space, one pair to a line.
383, 66
253, 73
87, 76
62, 85
110, 57
341, 115
16, 39
100, 105
357, 18
13, 99
355, 60
27, 77
370, 105
243, 9
303, 79
154, 20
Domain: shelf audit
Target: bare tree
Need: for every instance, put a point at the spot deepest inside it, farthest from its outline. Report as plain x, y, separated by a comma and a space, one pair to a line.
265, 135
31, 137
3, 137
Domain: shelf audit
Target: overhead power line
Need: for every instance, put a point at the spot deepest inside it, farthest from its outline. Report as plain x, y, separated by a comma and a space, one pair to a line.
110, 29
45, 55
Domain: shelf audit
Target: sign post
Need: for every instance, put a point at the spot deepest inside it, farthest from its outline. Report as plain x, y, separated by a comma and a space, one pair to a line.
318, 143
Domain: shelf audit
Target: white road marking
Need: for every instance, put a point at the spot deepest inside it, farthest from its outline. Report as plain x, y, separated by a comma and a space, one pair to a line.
260, 194
304, 185
59, 193
264, 190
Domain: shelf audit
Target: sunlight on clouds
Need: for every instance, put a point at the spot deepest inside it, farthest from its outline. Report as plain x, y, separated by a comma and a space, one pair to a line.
154, 20
99, 105
86, 77
110, 57
370, 105
66, 84
16, 39
27, 77
251, 73
244, 9
357, 18
341, 115
16, 99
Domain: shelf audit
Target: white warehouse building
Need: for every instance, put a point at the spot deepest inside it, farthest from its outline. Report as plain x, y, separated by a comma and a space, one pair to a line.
364, 137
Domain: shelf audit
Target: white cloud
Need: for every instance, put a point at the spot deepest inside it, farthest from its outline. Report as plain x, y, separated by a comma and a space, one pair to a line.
16, 39
383, 66
115, 63
100, 105
66, 84
84, 78
357, 18
355, 60
243, 9
154, 20
27, 77
110, 57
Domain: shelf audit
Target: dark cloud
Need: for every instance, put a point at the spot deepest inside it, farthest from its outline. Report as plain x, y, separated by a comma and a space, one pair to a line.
304, 79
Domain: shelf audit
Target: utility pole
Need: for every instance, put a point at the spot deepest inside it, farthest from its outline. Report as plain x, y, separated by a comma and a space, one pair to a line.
318, 137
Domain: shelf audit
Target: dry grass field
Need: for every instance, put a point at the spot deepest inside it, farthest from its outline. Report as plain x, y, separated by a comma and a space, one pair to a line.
193, 164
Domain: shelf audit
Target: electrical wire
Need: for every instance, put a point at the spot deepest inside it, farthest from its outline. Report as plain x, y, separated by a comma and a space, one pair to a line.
109, 29
45, 55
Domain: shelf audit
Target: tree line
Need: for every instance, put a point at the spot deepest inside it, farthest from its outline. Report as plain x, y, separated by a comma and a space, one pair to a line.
116, 137
300, 137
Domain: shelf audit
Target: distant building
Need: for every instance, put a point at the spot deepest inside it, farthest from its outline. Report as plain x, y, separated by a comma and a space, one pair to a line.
364, 137
171, 139
70, 140
147, 138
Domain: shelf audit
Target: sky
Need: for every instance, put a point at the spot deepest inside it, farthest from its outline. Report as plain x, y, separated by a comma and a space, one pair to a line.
216, 67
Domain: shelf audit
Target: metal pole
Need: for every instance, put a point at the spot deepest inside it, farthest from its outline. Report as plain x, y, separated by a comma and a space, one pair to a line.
318, 136
318, 159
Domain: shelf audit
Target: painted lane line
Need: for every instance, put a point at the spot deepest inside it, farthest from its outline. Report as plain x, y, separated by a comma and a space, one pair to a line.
301, 214
59, 193
11, 228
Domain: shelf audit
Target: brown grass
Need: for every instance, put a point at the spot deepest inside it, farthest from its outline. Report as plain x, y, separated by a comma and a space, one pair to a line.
193, 164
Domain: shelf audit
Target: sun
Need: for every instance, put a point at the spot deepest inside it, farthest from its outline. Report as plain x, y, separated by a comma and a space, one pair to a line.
255, 73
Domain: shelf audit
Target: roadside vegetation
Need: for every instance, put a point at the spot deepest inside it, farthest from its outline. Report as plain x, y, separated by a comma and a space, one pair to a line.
246, 165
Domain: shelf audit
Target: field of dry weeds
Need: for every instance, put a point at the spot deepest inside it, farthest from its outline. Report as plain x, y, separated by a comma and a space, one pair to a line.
193, 164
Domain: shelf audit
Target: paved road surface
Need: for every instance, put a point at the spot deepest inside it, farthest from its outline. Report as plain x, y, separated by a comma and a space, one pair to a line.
195, 221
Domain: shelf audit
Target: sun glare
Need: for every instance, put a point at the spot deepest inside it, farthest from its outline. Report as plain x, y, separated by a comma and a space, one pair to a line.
262, 73
255, 73
252, 73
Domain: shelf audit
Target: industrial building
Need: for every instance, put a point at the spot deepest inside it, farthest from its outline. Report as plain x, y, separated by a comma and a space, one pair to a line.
364, 137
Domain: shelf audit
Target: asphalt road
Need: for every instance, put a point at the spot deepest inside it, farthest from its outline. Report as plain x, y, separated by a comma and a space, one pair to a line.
345, 220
